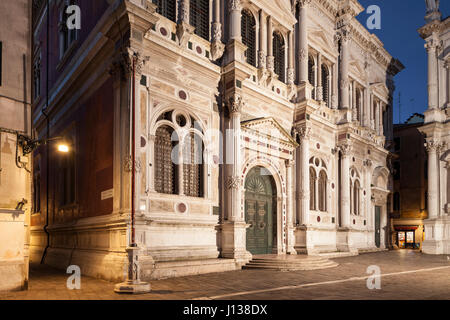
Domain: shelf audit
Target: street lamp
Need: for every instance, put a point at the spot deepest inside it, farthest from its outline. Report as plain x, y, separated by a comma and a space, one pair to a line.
29, 145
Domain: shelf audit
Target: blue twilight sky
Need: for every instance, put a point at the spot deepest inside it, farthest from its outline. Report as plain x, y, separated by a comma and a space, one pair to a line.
400, 20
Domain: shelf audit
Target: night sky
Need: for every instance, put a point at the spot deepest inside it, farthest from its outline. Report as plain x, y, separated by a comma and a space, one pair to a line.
400, 20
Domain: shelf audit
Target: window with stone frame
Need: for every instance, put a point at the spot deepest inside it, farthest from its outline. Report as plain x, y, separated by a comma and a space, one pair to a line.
326, 84
312, 189
356, 198
167, 8
66, 36
166, 176
323, 191
248, 33
193, 165
279, 55
199, 17
358, 104
311, 71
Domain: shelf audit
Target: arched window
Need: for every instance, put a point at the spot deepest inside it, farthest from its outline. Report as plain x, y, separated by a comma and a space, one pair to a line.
248, 33
165, 168
323, 191
279, 54
199, 17
312, 189
311, 71
193, 165
326, 85
356, 198
167, 8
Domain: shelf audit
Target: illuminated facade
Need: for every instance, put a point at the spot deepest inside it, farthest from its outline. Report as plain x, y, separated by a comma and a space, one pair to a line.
436, 33
287, 103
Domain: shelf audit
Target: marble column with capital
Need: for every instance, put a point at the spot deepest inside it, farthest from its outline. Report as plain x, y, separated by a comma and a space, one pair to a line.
303, 40
270, 57
433, 148
345, 185
447, 88
217, 47
344, 36
235, 9
432, 46
290, 207
291, 64
319, 88
302, 176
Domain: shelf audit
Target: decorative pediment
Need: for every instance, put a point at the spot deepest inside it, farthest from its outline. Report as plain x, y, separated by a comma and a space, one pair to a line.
280, 10
357, 68
322, 39
269, 128
381, 88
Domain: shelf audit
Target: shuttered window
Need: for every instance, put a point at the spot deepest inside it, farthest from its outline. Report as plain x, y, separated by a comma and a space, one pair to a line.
167, 8
199, 17
165, 169
248, 33
278, 52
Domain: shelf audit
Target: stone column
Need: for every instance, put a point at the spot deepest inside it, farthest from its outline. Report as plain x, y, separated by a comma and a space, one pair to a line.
291, 71
303, 40
290, 208
235, 7
447, 68
345, 185
344, 56
151, 160
217, 47
302, 174
354, 103
184, 29
262, 55
234, 182
431, 47
432, 147
319, 91
270, 57
335, 80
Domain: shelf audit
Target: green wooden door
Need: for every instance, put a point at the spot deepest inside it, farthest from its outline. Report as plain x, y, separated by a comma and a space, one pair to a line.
377, 226
259, 212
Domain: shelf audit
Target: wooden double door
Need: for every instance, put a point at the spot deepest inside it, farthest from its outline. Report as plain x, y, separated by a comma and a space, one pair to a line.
260, 211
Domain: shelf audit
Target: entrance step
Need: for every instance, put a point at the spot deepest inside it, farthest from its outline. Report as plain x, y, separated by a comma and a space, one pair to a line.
289, 263
371, 250
335, 254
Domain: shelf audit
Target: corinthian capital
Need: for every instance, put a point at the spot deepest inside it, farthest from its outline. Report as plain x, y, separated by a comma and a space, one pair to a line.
345, 149
434, 146
304, 133
235, 103
304, 3
234, 5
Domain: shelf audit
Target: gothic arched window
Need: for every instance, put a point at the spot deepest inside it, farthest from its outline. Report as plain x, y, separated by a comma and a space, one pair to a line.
323, 191
248, 33
167, 8
199, 17
165, 168
193, 165
326, 85
279, 54
356, 199
312, 189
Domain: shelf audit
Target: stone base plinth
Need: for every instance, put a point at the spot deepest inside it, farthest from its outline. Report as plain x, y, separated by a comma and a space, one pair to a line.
437, 236
133, 287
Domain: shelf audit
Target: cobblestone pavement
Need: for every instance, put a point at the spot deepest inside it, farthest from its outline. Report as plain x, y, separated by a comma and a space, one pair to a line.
405, 275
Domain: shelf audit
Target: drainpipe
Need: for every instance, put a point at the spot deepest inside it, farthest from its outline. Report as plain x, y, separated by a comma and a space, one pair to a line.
47, 173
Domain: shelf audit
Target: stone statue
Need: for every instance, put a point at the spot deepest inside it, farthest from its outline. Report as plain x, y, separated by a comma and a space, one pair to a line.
432, 5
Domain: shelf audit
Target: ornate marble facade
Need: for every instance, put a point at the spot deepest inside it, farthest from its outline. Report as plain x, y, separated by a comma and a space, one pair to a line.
310, 106
436, 33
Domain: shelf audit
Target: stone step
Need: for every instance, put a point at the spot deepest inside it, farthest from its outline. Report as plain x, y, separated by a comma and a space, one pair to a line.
289, 263
336, 254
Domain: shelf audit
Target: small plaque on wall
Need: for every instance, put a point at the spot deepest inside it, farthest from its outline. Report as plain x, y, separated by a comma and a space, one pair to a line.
108, 194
